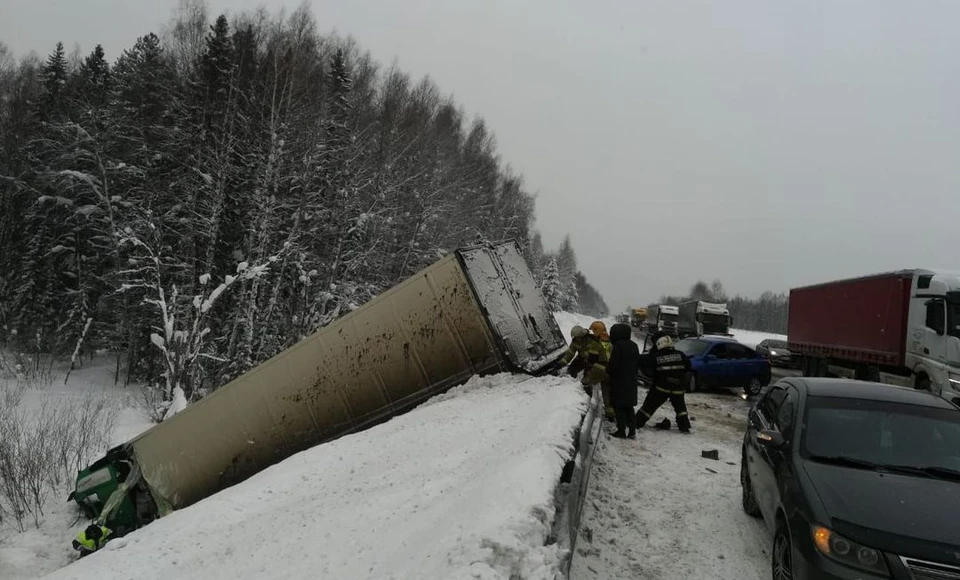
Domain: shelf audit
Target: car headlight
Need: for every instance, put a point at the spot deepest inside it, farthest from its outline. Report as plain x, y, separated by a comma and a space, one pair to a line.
773, 353
954, 381
838, 548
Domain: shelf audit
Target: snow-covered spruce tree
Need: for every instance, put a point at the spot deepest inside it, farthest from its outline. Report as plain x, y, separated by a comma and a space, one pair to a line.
535, 256
231, 141
591, 302
551, 287
182, 321
571, 301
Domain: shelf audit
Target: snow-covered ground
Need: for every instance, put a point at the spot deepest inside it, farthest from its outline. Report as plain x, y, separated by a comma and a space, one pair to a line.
656, 510
752, 338
461, 487
42, 549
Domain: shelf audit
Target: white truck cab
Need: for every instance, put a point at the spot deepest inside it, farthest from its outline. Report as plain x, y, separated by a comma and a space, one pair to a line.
933, 338
663, 318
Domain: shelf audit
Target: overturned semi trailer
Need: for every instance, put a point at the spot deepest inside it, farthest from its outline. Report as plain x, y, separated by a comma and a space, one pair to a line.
476, 311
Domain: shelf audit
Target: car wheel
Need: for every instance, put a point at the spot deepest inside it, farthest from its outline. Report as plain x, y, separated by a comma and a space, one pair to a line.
753, 387
691, 382
749, 500
922, 383
782, 557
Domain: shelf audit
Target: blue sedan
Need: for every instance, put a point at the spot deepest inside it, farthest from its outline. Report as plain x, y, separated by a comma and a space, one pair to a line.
724, 363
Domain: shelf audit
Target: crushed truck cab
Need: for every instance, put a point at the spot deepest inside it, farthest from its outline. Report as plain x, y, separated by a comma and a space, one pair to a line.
474, 312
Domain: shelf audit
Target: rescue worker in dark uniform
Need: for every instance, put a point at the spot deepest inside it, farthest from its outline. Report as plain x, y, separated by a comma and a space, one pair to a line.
622, 369
670, 368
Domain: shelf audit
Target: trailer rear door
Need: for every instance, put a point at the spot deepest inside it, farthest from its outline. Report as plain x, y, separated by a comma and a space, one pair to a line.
504, 287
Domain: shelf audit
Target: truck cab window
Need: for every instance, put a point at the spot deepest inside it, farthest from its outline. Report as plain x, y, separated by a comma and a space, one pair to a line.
953, 320
936, 316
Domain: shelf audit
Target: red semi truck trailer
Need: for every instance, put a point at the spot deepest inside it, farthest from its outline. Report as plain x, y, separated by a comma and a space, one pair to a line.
900, 328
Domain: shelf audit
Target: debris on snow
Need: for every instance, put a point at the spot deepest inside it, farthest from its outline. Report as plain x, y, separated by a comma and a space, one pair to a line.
710, 454
640, 532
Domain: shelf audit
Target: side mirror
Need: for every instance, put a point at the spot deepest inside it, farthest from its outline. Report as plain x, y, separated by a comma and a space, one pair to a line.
770, 438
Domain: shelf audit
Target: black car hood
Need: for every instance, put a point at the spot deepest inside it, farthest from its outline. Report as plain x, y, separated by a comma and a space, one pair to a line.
903, 514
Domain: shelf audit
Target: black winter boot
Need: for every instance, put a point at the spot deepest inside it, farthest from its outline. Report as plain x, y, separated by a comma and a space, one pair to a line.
619, 434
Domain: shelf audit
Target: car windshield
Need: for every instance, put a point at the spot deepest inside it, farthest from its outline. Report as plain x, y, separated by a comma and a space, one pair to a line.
775, 344
692, 346
866, 432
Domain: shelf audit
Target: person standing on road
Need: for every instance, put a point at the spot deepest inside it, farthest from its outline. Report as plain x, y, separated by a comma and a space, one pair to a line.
622, 369
670, 367
599, 353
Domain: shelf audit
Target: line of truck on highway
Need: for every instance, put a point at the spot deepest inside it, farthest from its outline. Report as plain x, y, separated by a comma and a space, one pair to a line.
900, 328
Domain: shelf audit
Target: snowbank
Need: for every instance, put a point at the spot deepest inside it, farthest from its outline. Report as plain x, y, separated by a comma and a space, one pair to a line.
461, 487
37, 551
752, 338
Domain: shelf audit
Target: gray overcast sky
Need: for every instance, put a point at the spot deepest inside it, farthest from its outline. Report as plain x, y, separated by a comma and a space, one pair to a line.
765, 143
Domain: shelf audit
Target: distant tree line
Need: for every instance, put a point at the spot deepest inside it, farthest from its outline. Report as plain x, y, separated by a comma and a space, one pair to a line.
564, 286
768, 313
216, 194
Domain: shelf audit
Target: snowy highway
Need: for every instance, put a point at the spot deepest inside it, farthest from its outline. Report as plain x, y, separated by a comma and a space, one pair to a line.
657, 510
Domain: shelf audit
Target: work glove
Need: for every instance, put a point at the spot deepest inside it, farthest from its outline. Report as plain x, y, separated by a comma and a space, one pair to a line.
554, 372
572, 370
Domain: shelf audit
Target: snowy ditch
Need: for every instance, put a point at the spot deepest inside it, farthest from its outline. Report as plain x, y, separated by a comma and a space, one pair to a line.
464, 486
484, 481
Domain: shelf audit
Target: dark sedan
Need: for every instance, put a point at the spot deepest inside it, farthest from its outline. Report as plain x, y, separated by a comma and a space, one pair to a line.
856, 480
777, 353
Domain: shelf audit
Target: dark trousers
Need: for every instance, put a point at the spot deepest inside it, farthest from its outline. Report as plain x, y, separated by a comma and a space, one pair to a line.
657, 397
625, 419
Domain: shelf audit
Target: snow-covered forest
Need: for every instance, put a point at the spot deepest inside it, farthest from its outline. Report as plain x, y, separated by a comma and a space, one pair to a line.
219, 191
768, 313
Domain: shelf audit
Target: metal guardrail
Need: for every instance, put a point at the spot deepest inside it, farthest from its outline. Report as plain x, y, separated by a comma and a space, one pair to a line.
586, 446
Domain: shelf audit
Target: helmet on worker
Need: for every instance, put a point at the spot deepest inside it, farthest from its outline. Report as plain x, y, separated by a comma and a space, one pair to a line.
578, 332
599, 329
664, 342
